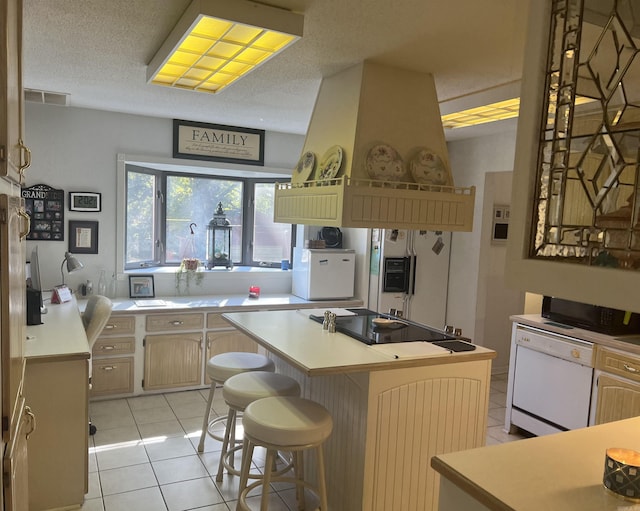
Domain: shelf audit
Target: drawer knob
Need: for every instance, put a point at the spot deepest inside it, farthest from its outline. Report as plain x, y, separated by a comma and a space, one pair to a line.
575, 353
176, 322
630, 369
108, 368
109, 326
107, 348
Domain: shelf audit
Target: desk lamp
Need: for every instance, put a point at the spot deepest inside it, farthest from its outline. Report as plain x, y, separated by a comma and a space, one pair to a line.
72, 264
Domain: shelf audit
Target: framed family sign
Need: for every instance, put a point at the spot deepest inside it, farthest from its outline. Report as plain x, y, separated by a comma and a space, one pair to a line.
217, 142
45, 207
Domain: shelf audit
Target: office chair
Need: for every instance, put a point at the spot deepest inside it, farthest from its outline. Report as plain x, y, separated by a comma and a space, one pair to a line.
95, 318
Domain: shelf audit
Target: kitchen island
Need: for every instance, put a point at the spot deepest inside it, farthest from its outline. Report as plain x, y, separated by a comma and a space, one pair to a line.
393, 406
560, 472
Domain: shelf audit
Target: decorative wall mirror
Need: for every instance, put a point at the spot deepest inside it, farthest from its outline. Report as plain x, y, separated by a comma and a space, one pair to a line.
586, 204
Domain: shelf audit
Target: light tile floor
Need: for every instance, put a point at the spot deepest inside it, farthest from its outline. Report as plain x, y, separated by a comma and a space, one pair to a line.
144, 455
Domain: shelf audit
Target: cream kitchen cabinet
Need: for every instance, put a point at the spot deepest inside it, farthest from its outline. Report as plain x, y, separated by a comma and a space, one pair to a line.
222, 337
616, 386
15, 470
113, 358
173, 358
15, 157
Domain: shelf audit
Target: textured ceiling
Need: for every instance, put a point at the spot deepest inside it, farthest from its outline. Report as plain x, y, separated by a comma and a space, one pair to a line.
97, 51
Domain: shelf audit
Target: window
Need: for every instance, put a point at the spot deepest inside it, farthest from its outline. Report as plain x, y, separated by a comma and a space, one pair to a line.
167, 215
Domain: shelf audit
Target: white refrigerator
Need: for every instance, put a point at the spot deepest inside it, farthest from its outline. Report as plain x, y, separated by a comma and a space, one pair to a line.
410, 273
323, 274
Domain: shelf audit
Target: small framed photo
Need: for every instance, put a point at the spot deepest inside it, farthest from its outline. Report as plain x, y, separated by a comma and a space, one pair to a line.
83, 237
141, 286
85, 201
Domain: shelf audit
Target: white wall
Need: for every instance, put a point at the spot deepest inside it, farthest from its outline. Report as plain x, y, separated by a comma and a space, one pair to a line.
496, 302
75, 150
476, 289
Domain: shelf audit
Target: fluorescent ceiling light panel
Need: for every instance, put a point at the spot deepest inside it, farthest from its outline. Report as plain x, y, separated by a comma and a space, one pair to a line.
215, 42
499, 111
482, 114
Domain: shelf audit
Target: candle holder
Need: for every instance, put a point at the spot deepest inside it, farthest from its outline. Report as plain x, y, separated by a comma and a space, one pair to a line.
622, 473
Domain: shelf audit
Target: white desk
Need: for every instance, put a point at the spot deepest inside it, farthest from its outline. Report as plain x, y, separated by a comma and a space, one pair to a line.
56, 387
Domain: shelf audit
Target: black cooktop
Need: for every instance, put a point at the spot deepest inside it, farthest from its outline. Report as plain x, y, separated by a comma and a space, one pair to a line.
362, 328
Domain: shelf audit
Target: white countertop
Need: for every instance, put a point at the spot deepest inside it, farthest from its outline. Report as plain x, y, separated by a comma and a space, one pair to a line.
560, 472
229, 302
304, 344
60, 335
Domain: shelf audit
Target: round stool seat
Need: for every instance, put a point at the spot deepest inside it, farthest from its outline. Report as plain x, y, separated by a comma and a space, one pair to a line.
225, 365
243, 389
287, 421
220, 368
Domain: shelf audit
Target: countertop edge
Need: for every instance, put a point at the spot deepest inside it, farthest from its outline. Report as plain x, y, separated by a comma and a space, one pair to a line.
225, 303
468, 486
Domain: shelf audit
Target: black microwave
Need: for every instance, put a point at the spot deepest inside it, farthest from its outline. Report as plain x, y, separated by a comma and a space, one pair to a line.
590, 317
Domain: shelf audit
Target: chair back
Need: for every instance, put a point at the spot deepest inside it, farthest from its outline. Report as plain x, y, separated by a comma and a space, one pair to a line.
95, 317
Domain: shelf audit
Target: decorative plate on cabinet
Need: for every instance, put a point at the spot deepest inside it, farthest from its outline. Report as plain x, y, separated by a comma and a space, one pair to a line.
383, 163
305, 167
330, 164
427, 167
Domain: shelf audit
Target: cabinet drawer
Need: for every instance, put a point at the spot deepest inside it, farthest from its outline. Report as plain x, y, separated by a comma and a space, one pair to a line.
119, 325
112, 376
114, 346
169, 322
215, 320
618, 363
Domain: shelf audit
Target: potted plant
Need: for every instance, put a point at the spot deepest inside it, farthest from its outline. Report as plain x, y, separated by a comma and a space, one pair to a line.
188, 272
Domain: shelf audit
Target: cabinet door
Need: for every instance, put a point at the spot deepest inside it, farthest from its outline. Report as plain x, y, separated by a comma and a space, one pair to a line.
13, 155
16, 473
172, 360
13, 228
224, 341
617, 399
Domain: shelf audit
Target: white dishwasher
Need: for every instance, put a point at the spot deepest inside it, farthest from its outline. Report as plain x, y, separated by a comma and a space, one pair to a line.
550, 379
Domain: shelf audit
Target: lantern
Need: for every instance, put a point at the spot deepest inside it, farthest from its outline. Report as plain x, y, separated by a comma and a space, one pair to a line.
219, 240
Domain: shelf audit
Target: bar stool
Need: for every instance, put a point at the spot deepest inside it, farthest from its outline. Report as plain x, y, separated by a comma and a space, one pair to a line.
240, 391
222, 367
290, 424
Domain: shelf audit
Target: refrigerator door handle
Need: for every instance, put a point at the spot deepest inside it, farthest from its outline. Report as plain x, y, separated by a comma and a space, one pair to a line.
412, 289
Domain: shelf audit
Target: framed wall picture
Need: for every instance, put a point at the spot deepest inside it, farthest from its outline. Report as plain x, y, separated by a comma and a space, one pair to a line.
45, 207
83, 237
141, 286
85, 201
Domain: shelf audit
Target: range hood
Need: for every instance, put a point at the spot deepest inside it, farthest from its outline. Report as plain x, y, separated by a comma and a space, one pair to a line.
369, 112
